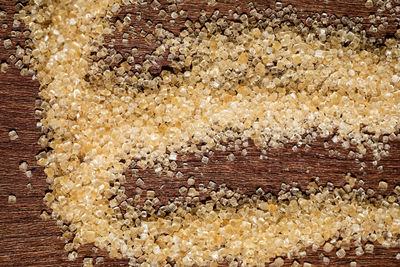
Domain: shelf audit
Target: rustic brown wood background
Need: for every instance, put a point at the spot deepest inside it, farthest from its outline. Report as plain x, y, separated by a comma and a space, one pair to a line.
26, 240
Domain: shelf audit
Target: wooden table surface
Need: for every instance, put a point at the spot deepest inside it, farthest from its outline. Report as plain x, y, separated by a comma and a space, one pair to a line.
26, 240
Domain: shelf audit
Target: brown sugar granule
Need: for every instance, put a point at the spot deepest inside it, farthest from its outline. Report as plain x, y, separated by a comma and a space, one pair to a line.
369, 248
7, 44
328, 247
99, 261
44, 216
12, 199
4, 67
28, 174
23, 166
369, 3
278, 262
191, 181
88, 262
13, 135
341, 253
382, 186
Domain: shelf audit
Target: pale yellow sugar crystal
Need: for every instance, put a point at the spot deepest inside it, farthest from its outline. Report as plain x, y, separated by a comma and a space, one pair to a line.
12, 199
278, 262
4, 67
382, 186
13, 135
341, 253
369, 3
23, 166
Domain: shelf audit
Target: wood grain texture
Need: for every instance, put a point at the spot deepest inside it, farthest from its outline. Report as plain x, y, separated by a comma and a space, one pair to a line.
26, 240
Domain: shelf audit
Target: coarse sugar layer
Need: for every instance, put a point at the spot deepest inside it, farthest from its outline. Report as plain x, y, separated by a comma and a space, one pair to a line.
271, 82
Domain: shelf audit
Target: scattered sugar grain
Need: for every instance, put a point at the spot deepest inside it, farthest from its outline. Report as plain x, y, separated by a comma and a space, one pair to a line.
13, 135
12, 199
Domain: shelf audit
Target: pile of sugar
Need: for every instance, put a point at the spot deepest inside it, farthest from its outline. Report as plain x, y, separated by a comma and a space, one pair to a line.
272, 82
